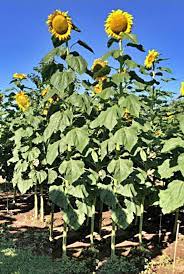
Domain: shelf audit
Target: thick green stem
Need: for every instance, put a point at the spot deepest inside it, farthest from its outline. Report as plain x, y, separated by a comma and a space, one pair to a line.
35, 203
141, 220
121, 53
113, 233
65, 228
121, 47
160, 229
41, 204
136, 220
14, 195
113, 239
92, 224
51, 223
67, 48
176, 221
7, 197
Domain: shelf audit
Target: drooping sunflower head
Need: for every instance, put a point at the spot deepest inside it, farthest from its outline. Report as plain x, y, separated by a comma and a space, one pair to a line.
22, 100
117, 23
60, 25
19, 76
182, 89
151, 58
98, 87
99, 65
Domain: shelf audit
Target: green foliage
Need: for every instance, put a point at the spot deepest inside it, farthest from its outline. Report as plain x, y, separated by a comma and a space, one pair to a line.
16, 261
173, 197
124, 265
117, 145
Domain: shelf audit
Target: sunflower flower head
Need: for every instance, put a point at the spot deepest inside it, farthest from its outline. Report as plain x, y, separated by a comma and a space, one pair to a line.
44, 91
22, 100
182, 89
151, 58
19, 76
99, 64
117, 23
60, 25
98, 87
45, 112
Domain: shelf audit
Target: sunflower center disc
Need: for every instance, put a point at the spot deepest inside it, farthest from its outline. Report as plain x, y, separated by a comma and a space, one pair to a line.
60, 24
150, 59
119, 24
23, 100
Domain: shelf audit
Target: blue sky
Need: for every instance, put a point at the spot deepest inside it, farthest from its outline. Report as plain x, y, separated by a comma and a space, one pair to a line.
25, 38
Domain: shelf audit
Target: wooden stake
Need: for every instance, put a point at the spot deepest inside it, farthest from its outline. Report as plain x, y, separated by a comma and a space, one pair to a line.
175, 248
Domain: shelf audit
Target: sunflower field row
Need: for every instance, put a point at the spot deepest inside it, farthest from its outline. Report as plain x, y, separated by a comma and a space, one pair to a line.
110, 135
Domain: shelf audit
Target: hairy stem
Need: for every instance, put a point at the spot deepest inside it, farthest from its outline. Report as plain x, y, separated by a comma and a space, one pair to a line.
51, 223
176, 221
141, 220
113, 239
65, 228
92, 224
41, 204
35, 203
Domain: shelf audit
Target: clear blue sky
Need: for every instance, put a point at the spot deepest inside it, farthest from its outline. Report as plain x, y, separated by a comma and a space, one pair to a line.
25, 38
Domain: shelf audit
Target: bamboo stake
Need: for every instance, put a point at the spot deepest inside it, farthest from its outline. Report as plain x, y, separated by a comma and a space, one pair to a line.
175, 248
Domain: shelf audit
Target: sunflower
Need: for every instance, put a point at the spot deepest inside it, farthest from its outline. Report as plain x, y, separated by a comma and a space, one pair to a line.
45, 112
60, 25
22, 100
157, 133
151, 58
98, 87
19, 76
98, 64
117, 23
182, 89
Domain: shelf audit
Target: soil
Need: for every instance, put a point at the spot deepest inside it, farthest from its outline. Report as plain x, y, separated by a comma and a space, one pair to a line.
18, 224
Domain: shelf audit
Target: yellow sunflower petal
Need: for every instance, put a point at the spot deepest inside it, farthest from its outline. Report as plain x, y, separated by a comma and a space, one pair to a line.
117, 23
20, 76
60, 25
151, 58
182, 89
22, 100
44, 91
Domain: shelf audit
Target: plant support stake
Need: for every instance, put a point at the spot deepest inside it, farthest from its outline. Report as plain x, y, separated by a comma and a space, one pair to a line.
175, 248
